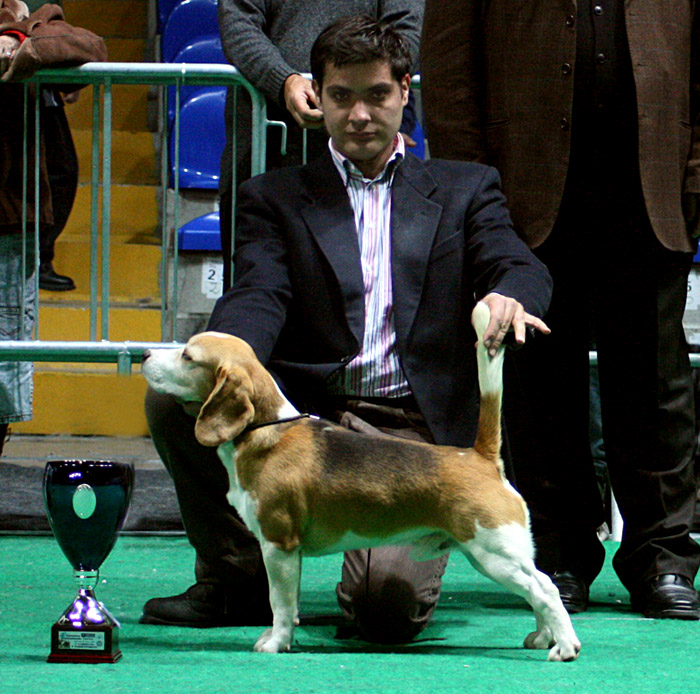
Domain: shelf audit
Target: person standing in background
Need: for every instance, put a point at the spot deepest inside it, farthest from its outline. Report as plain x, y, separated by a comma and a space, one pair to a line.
28, 42
62, 169
590, 112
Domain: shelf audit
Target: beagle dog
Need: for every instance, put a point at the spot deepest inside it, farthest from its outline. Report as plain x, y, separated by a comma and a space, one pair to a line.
308, 487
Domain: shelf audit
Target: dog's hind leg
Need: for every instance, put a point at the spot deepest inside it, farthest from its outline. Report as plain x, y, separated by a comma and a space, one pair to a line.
284, 575
505, 555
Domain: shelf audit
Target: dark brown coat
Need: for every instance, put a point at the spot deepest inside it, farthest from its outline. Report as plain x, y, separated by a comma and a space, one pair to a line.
497, 89
50, 42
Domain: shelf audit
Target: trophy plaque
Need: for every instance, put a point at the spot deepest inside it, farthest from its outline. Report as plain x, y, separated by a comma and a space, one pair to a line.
86, 503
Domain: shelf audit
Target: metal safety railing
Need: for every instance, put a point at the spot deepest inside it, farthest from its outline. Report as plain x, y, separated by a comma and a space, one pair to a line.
102, 77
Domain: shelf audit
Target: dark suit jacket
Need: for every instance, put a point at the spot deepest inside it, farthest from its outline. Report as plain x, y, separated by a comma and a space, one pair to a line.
298, 295
497, 85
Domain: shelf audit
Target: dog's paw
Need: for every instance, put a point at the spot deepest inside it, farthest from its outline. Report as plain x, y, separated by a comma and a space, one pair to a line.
565, 652
539, 639
269, 642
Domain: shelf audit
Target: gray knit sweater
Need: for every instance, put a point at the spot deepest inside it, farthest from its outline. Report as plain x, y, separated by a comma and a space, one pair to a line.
268, 40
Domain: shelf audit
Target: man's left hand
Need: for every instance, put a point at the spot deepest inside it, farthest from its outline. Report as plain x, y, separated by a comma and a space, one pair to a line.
301, 101
508, 314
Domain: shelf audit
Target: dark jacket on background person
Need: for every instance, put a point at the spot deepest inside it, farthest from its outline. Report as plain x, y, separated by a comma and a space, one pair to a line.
50, 42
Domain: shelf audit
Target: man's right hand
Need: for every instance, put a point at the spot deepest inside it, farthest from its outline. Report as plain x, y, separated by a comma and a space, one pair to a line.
301, 102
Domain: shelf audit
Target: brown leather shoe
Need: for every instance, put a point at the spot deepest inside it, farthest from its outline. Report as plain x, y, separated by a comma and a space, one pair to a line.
667, 596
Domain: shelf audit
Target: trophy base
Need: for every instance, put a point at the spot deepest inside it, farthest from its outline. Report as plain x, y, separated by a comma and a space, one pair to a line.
86, 632
94, 645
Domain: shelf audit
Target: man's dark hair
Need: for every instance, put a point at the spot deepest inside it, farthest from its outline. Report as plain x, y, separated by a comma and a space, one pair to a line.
358, 40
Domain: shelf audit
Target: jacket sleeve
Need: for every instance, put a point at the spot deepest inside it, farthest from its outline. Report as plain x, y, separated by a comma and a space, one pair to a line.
499, 261
692, 174
451, 69
249, 49
51, 42
255, 307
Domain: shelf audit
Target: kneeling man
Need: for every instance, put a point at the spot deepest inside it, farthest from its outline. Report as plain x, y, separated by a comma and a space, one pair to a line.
355, 280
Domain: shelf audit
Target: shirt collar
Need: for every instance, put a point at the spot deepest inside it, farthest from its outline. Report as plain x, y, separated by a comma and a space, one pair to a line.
348, 171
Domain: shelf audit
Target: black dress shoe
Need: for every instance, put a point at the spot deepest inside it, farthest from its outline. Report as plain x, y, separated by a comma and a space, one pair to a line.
204, 605
667, 596
573, 591
50, 280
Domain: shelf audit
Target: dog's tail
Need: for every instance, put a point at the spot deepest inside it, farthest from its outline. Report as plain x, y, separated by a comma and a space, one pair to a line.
488, 437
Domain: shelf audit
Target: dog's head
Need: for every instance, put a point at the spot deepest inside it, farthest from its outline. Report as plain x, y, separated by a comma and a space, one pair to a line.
216, 373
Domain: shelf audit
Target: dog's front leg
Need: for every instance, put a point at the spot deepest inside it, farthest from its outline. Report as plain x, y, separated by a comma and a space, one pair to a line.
284, 575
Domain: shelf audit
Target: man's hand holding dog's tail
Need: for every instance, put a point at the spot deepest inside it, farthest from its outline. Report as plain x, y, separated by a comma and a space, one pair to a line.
507, 315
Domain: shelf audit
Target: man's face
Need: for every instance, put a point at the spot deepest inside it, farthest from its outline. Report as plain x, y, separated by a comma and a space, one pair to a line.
362, 108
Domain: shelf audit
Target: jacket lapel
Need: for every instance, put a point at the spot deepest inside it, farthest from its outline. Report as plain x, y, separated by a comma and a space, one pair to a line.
328, 215
414, 224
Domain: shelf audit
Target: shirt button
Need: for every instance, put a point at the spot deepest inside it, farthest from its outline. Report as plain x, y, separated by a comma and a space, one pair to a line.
600, 58
564, 124
566, 69
598, 10
570, 20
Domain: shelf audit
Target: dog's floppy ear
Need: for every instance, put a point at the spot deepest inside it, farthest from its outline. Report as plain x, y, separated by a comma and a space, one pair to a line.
228, 409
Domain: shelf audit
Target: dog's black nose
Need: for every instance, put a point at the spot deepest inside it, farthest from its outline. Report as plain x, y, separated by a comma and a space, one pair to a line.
145, 355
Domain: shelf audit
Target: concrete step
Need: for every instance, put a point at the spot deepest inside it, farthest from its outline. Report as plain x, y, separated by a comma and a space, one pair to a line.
133, 214
116, 18
133, 276
133, 157
72, 322
129, 108
86, 403
127, 50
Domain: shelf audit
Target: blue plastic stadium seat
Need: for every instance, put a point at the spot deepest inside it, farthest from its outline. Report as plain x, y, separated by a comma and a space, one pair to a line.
203, 49
188, 21
200, 234
202, 139
206, 49
417, 135
165, 7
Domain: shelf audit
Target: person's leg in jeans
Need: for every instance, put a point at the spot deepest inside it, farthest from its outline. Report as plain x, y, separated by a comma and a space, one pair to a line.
17, 311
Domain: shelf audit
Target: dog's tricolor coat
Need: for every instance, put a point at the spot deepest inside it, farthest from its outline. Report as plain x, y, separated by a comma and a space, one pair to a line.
310, 487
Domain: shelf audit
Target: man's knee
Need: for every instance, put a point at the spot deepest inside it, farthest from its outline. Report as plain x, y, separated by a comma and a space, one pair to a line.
161, 410
389, 597
172, 431
390, 613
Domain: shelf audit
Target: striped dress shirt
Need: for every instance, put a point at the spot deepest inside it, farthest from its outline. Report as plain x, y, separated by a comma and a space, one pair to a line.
376, 370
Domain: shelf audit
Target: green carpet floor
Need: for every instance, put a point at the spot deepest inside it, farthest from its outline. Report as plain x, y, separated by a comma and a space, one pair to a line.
473, 644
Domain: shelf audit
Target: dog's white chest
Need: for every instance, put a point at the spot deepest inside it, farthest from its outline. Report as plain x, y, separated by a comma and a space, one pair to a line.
239, 498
